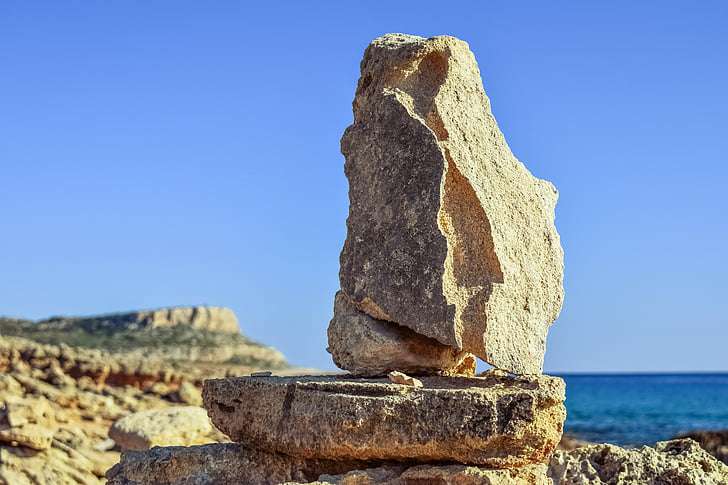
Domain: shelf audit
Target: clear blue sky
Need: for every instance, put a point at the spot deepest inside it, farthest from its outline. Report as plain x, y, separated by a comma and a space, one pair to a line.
173, 153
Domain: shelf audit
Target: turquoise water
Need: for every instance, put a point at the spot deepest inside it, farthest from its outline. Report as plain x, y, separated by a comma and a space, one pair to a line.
631, 409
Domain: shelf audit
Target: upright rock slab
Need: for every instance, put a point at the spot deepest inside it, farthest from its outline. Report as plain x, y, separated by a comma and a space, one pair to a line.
494, 421
448, 233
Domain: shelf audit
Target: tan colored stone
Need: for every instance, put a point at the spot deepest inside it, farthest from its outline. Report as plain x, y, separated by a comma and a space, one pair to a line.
396, 377
714, 442
58, 465
28, 435
176, 426
440, 475
681, 462
9, 386
217, 464
448, 233
494, 421
17, 411
190, 394
366, 346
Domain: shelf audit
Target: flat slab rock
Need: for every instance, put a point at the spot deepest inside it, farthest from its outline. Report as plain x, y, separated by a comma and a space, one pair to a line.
217, 464
440, 475
234, 464
448, 233
496, 421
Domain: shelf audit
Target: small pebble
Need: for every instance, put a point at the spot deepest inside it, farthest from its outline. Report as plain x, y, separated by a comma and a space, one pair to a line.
397, 377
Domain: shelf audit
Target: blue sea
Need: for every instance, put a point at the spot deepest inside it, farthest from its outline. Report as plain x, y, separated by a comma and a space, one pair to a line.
633, 409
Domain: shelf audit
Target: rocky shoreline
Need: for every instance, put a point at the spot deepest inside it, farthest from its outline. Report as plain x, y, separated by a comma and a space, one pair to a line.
60, 417
67, 412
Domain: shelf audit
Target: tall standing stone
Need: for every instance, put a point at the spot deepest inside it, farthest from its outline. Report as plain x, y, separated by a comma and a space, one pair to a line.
448, 233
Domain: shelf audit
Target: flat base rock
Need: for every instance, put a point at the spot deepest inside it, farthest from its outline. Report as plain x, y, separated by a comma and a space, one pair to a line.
496, 421
218, 464
441, 475
234, 464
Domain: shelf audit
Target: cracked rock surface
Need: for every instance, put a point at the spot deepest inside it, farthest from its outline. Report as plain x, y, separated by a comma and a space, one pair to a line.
448, 233
495, 421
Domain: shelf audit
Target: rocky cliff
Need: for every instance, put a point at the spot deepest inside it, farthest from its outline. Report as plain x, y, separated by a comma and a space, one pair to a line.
74, 392
179, 334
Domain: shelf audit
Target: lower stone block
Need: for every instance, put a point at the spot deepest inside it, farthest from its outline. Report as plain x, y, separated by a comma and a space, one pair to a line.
495, 421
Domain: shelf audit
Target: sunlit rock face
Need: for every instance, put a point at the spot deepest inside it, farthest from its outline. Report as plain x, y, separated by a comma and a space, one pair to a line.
449, 234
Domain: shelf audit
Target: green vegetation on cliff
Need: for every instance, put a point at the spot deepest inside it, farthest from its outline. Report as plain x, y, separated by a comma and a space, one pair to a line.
173, 343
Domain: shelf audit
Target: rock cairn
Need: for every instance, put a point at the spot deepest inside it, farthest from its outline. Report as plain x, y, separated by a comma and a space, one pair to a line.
451, 254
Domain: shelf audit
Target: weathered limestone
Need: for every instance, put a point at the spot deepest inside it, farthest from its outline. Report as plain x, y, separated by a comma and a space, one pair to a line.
234, 464
57, 465
496, 421
681, 462
217, 464
29, 435
175, 426
714, 442
366, 346
448, 233
441, 474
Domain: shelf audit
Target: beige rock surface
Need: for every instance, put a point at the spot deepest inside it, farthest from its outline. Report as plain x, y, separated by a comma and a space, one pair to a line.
188, 393
496, 421
448, 233
714, 442
216, 464
439, 475
75, 394
677, 462
174, 426
29, 435
58, 465
366, 346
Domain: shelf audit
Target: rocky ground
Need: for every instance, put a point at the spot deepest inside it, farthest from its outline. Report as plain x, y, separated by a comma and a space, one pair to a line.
66, 412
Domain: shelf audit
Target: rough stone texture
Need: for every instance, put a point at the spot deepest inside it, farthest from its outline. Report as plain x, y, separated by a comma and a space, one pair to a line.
58, 465
218, 464
677, 462
78, 393
495, 421
714, 442
28, 435
177, 426
188, 393
448, 233
439, 475
366, 346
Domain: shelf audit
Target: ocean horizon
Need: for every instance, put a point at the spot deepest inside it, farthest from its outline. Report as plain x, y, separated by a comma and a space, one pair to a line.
631, 409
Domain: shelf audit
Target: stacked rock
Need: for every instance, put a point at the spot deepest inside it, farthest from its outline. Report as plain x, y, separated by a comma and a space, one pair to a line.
451, 254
